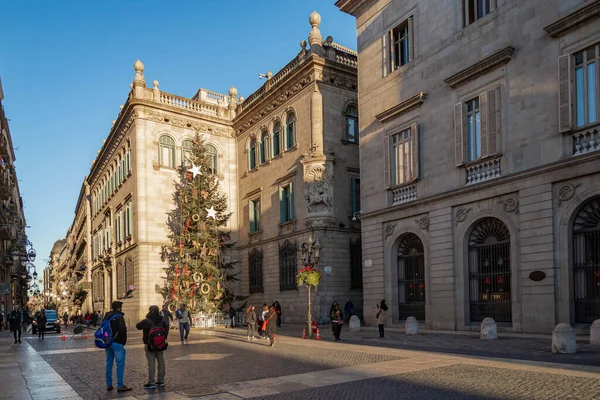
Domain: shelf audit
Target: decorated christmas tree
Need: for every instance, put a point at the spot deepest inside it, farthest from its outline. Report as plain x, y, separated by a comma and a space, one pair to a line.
199, 273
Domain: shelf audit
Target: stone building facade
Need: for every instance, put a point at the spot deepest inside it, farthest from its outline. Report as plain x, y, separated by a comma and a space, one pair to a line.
13, 238
115, 242
481, 184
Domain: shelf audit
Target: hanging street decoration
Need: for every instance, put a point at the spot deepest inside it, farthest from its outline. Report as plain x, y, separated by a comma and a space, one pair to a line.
197, 272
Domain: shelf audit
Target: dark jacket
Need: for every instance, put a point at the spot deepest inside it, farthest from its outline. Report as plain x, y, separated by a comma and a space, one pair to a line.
118, 327
272, 320
41, 320
166, 316
250, 317
14, 319
147, 323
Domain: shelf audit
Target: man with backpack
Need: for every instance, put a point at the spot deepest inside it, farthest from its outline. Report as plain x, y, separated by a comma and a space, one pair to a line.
112, 337
155, 338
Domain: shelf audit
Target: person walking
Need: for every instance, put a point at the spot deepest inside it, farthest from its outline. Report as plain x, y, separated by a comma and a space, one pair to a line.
183, 316
65, 318
270, 325
88, 319
348, 309
94, 318
338, 320
277, 308
232, 315
15, 319
153, 327
26, 319
41, 323
116, 351
167, 317
332, 316
381, 316
250, 320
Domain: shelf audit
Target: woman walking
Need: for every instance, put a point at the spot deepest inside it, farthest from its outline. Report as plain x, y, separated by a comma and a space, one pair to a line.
270, 325
250, 320
381, 315
332, 316
41, 323
338, 321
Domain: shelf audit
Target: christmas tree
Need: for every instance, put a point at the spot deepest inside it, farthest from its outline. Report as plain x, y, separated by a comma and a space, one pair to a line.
199, 273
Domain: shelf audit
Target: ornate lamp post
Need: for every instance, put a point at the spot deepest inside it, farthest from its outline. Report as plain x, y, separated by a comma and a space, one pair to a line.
309, 276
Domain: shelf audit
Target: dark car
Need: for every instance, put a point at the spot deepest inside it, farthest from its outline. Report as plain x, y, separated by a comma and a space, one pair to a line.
52, 322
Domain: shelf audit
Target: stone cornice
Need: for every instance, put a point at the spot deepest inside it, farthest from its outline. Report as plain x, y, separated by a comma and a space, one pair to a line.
353, 7
498, 182
286, 177
402, 107
489, 63
574, 19
253, 193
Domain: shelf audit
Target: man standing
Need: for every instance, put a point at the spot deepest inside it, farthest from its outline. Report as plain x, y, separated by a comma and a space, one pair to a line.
41, 323
155, 346
66, 319
116, 351
183, 316
167, 317
15, 318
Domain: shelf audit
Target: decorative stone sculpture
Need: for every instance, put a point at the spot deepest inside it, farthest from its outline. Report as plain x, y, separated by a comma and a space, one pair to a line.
563, 339
489, 331
595, 332
354, 323
411, 326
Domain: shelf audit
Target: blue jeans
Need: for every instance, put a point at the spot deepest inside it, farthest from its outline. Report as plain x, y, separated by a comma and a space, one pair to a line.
115, 352
184, 327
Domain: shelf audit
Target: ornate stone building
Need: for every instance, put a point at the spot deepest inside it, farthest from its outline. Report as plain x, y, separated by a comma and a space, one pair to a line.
276, 155
479, 138
13, 275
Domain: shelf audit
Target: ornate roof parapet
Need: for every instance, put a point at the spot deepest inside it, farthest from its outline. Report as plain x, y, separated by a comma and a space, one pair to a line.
139, 83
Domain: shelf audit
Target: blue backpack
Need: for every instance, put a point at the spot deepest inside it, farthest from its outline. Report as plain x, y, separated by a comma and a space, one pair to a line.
103, 337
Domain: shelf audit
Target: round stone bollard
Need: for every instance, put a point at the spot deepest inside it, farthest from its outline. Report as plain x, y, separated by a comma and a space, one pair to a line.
411, 326
488, 330
563, 339
595, 332
354, 323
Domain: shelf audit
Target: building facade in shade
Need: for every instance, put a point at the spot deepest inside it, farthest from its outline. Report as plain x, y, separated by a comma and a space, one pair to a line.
479, 137
275, 154
13, 239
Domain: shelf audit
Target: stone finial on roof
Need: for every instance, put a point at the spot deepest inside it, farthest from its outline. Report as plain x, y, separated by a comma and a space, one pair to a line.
315, 37
155, 84
138, 67
303, 46
269, 75
233, 92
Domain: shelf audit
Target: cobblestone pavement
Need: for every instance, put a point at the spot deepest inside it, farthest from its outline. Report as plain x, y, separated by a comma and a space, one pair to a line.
222, 364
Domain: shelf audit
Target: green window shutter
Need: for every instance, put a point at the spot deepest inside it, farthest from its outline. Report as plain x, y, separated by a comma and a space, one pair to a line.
252, 216
282, 205
291, 203
257, 214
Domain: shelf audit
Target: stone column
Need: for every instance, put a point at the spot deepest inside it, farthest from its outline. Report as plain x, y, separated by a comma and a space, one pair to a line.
316, 121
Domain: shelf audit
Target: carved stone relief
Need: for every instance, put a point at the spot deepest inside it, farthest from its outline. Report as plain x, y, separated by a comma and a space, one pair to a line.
187, 124
461, 214
423, 223
318, 190
389, 230
325, 222
510, 204
566, 192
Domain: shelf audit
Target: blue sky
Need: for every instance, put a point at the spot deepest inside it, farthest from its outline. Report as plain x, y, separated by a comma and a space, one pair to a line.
66, 67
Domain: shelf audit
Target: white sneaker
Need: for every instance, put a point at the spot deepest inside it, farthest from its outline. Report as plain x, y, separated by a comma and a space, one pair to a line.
186, 341
249, 338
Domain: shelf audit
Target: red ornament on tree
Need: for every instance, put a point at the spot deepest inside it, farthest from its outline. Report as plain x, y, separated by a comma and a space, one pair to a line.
500, 279
421, 285
487, 281
411, 286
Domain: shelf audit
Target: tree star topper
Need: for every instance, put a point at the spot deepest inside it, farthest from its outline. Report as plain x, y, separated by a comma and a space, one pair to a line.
212, 213
195, 170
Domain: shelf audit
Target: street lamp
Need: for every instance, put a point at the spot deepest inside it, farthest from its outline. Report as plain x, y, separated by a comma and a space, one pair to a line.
310, 254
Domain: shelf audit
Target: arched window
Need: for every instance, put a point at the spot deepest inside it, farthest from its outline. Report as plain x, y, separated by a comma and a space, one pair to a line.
264, 147
211, 153
252, 154
489, 271
586, 262
352, 123
276, 139
411, 278
186, 152
290, 130
166, 151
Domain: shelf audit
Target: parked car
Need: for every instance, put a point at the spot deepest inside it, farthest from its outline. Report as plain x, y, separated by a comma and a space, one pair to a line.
52, 322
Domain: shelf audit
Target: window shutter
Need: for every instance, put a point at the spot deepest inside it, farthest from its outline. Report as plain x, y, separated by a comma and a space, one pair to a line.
291, 204
564, 93
459, 150
414, 149
391, 52
483, 115
353, 194
493, 112
386, 161
251, 216
282, 206
411, 39
257, 216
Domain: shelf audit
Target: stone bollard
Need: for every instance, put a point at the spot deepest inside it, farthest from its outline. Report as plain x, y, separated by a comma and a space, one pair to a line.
354, 323
411, 326
488, 330
563, 339
595, 332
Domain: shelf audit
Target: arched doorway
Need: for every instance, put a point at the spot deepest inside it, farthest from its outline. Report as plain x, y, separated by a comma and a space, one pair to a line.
489, 271
411, 278
586, 262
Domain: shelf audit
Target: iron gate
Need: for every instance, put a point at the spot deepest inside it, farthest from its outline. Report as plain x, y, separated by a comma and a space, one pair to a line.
411, 278
586, 263
489, 272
